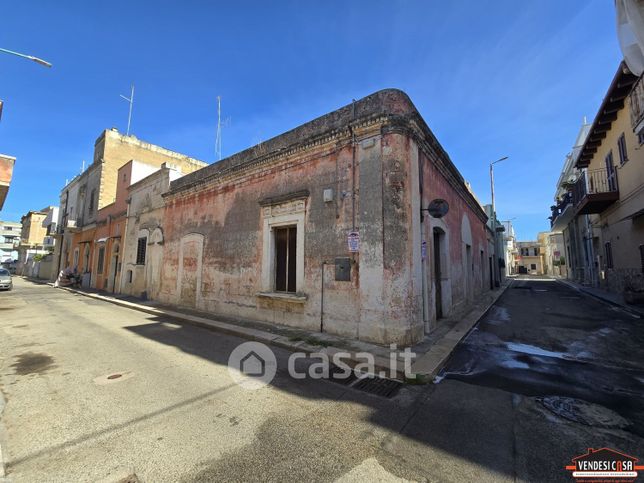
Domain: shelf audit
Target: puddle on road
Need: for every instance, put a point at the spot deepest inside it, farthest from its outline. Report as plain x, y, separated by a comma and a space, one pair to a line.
497, 316
534, 350
583, 412
33, 363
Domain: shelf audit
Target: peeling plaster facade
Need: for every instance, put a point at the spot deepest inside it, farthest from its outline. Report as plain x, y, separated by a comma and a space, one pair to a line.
368, 167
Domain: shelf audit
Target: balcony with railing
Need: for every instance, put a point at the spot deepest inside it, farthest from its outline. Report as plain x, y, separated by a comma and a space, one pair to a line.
594, 191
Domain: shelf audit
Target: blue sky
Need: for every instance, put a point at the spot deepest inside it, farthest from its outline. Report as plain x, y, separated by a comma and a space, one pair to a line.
491, 78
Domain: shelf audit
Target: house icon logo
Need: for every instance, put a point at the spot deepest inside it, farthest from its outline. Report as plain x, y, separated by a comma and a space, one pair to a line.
252, 365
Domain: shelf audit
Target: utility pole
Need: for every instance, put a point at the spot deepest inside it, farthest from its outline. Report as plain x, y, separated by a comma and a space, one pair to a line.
495, 266
130, 100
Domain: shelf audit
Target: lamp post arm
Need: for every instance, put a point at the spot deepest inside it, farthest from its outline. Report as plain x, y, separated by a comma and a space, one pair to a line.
28, 57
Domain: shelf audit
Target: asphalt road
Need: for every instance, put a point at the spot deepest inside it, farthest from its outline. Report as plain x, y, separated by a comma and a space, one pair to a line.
175, 414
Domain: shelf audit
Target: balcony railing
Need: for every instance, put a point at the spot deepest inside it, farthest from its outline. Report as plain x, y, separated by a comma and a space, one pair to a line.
559, 208
594, 191
636, 100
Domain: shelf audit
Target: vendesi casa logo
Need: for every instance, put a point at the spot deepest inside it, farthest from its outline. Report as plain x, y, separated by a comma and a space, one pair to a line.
604, 464
253, 365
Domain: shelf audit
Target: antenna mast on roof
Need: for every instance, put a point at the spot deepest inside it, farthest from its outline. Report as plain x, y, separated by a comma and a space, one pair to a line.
129, 115
218, 138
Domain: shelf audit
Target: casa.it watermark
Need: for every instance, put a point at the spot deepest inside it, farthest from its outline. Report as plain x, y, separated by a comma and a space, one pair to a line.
253, 365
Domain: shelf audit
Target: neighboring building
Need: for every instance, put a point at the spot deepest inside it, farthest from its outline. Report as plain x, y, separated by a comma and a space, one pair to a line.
530, 259
6, 173
89, 210
102, 260
553, 251
143, 245
510, 250
35, 237
325, 228
576, 229
497, 230
605, 237
9, 240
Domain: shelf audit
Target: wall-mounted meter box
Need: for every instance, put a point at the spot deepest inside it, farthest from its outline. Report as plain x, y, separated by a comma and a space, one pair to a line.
343, 269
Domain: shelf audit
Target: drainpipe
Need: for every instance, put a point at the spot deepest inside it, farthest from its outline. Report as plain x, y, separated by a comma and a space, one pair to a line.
324, 262
353, 167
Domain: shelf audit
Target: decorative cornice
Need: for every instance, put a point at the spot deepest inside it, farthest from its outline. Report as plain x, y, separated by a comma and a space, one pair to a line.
389, 110
275, 200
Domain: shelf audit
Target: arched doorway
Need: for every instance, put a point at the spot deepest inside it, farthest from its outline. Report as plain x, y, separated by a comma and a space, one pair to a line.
189, 273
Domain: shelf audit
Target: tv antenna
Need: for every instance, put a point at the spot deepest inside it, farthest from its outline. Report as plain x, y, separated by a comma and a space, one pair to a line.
130, 100
218, 138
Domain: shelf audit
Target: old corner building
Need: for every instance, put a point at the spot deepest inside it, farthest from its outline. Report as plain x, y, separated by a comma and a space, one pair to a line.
264, 234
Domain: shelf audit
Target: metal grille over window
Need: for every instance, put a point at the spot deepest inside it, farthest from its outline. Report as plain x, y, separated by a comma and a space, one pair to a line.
140, 250
285, 261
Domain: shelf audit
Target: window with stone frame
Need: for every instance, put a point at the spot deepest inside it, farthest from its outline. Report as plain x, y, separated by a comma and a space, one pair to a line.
283, 231
285, 259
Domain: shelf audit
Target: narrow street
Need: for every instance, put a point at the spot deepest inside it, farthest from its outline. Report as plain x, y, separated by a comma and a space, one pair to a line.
173, 413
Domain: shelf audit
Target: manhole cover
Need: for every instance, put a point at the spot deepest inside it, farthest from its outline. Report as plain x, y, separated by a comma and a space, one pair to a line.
113, 378
583, 412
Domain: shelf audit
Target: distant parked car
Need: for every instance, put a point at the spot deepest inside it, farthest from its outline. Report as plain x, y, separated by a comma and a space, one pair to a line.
6, 283
9, 265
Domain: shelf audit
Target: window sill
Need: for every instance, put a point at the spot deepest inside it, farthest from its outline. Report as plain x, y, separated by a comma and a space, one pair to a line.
286, 297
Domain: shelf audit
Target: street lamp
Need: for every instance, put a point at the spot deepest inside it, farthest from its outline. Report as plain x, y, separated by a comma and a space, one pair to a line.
28, 57
497, 280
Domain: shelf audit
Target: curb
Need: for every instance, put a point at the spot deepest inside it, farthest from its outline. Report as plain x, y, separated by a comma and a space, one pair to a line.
2, 467
442, 352
256, 335
607, 301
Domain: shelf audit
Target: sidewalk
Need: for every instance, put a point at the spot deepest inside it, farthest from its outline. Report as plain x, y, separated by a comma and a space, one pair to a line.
616, 299
432, 352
